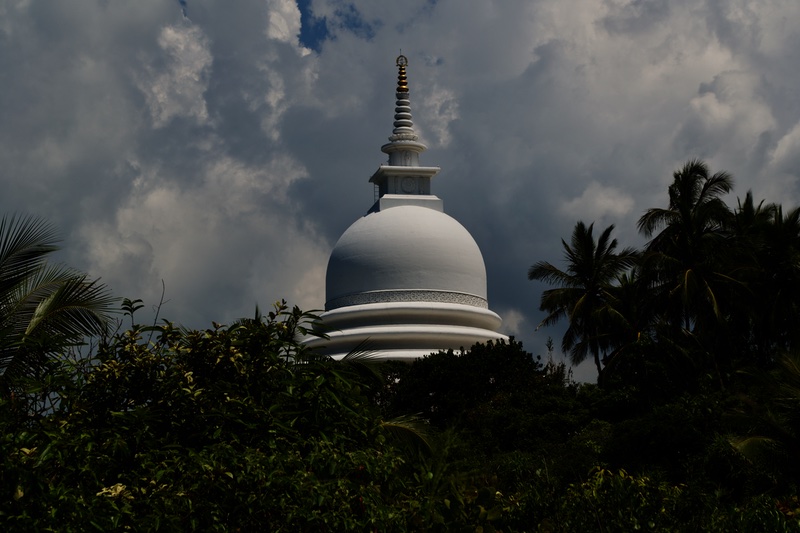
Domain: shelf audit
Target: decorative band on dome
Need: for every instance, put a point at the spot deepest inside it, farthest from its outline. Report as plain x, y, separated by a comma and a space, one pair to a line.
373, 297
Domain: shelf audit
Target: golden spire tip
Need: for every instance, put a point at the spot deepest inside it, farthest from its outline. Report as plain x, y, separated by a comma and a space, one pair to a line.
402, 81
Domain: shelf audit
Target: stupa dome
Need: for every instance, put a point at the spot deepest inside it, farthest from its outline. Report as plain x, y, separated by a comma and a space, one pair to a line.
405, 280
404, 253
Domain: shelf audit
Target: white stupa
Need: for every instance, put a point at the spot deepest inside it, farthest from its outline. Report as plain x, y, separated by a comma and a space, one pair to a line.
406, 279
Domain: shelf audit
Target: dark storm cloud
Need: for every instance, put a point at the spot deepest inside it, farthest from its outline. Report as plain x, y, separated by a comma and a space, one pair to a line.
636, 17
220, 154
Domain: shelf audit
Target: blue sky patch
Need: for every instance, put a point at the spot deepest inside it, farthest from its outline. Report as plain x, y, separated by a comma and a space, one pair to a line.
350, 19
313, 30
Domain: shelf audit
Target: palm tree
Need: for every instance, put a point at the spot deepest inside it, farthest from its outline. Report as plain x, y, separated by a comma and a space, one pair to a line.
772, 437
750, 320
750, 221
583, 294
631, 321
780, 278
43, 308
683, 259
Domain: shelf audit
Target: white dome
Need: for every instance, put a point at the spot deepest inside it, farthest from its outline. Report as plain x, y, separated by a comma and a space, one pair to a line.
406, 280
406, 253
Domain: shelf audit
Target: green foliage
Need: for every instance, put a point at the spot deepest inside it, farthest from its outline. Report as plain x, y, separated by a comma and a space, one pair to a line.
771, 424
44, 308
233, 428
713, 291
240, 427
585, 290
618, 501
497, 394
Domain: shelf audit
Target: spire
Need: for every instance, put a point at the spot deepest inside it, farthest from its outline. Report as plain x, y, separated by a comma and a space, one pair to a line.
403, 124
403, 175
403, 149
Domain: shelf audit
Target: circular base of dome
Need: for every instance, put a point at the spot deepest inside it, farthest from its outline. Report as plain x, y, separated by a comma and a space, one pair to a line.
409, 312
406, 356
401, 342
413, 328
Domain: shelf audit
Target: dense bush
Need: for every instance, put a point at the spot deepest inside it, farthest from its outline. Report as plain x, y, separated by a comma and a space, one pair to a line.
231, 428
240, 428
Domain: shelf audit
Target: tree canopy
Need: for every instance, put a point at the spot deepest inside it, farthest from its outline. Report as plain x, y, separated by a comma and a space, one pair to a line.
713, 291
240, 427
43, 307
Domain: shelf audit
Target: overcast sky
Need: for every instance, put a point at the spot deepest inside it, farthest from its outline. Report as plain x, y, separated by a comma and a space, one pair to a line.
225, 151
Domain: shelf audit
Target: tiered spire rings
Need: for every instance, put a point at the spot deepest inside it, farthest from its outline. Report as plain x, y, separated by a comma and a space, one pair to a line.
403, 173
403, 124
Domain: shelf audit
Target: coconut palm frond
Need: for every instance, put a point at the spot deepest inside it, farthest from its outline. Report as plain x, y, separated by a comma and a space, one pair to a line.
363, 360
25, 241
410, 431
76, 307
43, 308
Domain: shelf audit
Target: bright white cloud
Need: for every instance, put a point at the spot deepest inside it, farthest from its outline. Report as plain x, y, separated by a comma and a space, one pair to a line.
231, 231
597, 202
730, 110
177, 89
787, 151
514, 322
440, 107
283, 21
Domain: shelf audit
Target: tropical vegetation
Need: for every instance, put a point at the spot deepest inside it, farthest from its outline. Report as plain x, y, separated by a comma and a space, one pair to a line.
44, 307
714, 291
693, 424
